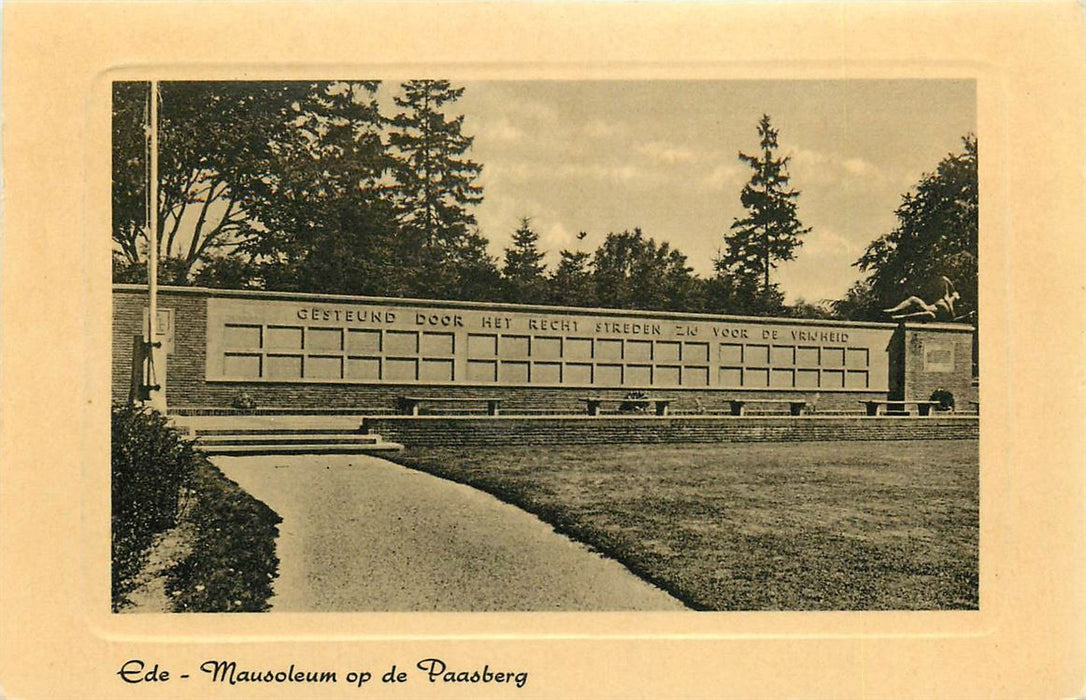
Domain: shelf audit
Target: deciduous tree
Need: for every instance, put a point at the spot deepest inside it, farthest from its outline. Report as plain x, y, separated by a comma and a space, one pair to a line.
631, 271
230, 156
936, 236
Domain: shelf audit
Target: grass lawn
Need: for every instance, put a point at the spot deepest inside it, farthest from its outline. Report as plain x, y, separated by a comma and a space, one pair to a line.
800, 526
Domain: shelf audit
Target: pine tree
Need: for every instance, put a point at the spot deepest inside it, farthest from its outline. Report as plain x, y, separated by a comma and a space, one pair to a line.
434, 186
771, 231
523, 268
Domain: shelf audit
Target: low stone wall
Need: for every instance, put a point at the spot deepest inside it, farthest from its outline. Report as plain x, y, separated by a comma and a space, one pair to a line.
445, 431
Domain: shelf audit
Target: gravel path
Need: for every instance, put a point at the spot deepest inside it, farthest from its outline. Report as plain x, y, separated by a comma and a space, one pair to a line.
363, 534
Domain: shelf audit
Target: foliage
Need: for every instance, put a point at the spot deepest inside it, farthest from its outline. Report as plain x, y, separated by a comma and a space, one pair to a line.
728, 294
243, 402
804, 309
232, 562
858, 304
249, 170
945, 399
216, 140
572, 283
307, 186
151, 463
328, 224
770, 232
435, 186
227, 272
523, 270
634, 402
936, 236
129, 150
634, 272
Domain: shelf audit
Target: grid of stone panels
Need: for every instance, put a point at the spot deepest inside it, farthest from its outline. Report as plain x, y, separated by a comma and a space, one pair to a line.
288, 352
784, 366
497, 358
291, 353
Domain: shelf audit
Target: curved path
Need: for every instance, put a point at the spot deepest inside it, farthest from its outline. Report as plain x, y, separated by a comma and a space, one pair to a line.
363, 534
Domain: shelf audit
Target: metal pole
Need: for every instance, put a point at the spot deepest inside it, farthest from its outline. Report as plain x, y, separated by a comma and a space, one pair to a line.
152, 214
156, 396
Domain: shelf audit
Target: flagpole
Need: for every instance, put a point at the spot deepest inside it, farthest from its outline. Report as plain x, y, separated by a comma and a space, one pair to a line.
155, 395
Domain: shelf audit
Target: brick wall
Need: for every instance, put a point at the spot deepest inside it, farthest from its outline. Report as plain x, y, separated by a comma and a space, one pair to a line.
421, 432
924, 368
185, 365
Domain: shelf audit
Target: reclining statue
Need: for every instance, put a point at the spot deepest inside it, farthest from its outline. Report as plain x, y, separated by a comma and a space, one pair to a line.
916, 308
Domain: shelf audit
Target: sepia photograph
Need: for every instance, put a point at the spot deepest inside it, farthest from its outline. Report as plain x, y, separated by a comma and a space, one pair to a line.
545, 345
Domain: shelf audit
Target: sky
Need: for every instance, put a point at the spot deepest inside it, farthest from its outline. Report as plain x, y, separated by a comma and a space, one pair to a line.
609, 156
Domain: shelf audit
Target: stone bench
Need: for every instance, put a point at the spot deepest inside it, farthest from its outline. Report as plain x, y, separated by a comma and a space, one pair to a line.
795, 406
593, 404
924, 408
409, 405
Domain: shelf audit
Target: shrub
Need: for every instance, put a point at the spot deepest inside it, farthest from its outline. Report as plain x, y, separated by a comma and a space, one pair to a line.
634, 402
243, 402
151, 462
232, 562
945, 399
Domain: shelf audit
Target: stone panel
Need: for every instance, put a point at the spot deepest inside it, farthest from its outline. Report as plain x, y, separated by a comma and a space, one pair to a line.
546, 373
364, 341
284, 338
321, 367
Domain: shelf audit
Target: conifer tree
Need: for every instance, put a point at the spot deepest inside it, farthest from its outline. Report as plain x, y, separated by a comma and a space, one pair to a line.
771, 231
523, 268
434, 186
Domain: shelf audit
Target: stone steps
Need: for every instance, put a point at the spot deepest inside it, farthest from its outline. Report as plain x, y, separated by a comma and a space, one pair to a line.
292, 441
301, 449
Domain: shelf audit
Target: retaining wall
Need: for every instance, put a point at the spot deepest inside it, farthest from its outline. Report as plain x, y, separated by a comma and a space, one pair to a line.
445, 431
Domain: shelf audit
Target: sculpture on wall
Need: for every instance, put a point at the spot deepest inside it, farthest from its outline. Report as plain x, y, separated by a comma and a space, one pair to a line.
941, 309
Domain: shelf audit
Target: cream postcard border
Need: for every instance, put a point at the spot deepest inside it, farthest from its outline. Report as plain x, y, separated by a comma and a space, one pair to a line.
58, 638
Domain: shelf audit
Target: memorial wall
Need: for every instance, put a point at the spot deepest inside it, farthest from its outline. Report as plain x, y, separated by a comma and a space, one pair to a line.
323, 351
405, 343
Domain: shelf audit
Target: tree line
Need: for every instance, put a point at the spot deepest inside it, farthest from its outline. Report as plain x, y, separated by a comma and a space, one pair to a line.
313, 186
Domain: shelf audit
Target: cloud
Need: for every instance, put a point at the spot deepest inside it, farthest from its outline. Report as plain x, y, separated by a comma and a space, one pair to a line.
720, 178
601, 129
621, 173
826, 242
667, 153
858, 166
554, 237
507, 171
811, 165
500, 130
533, 110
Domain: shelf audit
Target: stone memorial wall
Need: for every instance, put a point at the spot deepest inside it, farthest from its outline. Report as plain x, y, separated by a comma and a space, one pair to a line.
401, 343
314, 351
